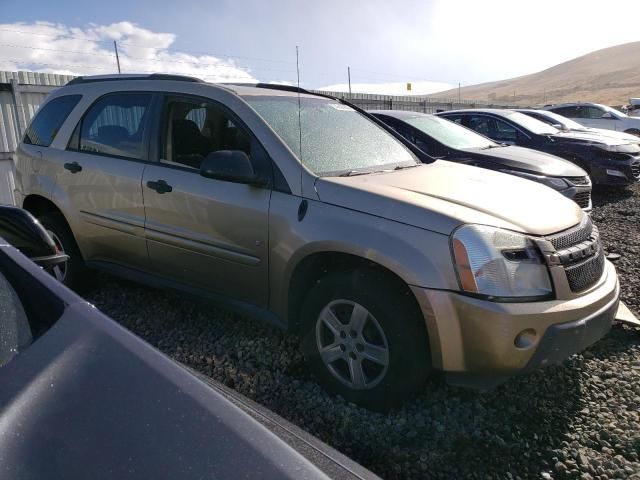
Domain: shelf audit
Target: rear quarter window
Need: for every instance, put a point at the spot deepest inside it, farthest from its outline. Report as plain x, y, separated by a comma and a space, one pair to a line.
47, 122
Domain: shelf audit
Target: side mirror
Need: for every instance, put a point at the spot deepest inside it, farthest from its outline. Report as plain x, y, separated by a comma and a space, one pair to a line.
607, 115
231, 166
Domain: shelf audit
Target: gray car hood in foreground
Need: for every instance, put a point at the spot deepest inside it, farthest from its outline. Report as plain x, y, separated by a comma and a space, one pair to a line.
90, 400
442, 195
526, 159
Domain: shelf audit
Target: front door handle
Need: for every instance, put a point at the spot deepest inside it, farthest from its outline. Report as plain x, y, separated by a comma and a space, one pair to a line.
73, 167
160, 186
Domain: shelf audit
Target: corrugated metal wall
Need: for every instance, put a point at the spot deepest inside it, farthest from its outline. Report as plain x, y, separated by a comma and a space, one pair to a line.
21, 93
410, 103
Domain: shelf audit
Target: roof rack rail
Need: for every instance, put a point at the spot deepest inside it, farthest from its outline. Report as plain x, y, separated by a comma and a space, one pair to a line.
294, 89
116, 77
270, 86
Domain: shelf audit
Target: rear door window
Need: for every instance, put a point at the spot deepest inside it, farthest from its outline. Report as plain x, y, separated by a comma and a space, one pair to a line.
47, 122
493, 128
504, 132
482, 125
456, 119
569, 112
115, 125
592, 112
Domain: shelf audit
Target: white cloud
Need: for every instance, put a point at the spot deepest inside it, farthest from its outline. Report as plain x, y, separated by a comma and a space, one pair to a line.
393, 88
56, 48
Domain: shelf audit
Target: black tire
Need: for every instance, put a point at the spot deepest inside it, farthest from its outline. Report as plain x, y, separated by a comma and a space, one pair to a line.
75, 274
395, 311
633, 131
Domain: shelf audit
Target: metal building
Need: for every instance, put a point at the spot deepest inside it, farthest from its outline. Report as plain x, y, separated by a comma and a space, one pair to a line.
21, 93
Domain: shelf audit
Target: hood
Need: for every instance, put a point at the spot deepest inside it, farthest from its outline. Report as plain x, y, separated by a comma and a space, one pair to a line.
608, 143
442, 195
528, 160
625, 137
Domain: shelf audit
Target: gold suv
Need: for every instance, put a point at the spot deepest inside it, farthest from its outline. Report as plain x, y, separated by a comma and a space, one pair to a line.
311, 214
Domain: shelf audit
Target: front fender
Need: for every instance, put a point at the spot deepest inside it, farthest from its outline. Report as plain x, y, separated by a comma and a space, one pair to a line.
417, 256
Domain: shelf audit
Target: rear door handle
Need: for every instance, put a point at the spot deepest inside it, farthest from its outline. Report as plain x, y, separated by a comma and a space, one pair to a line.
73, 167
160, 186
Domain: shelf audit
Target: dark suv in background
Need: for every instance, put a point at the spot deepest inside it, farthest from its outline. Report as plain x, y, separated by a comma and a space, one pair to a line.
447, 140
607, 161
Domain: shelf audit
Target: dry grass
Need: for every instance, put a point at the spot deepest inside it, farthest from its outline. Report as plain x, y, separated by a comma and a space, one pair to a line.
610, 76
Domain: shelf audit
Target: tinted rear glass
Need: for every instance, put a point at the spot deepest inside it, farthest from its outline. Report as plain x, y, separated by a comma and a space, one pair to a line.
115, 125
449, 133
49, 119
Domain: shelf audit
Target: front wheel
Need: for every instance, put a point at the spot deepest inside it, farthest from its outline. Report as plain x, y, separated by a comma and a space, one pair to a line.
71, 273
365, 338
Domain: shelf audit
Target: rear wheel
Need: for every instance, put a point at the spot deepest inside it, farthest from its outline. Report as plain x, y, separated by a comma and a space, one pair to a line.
71, 273
365, 338
633, 131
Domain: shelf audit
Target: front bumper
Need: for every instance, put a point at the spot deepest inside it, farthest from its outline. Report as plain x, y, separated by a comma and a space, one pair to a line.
615, 172
474, 336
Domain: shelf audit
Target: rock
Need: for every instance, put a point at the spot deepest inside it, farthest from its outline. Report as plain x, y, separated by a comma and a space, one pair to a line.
576, 420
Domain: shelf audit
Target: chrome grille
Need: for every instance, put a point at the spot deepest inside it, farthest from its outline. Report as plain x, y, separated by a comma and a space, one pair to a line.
583, 199
579, 251
578, 180
572, 236
583, 275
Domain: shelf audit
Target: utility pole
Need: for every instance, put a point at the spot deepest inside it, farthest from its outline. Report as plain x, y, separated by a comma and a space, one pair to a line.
459, 94
115, 47
349, 77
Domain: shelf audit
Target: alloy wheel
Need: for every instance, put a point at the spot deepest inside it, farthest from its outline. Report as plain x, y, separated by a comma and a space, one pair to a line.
59, 271
352, 344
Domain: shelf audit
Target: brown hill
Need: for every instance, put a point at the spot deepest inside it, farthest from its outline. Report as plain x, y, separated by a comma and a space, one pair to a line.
610, 76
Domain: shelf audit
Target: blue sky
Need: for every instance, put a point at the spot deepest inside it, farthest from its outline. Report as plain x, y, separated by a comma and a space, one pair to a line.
386, 43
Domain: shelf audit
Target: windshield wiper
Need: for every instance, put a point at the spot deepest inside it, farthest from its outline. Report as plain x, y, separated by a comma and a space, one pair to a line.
402, 167
498, 145
353, 173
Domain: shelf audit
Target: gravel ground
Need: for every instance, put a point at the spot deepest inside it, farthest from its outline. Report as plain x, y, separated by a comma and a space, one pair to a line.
577, 420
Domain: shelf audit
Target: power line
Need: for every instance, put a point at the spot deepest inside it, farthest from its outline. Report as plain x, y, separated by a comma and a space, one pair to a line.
89, 39
56, 50
55, 65
59, 35
109, 69
208, 54
127, 57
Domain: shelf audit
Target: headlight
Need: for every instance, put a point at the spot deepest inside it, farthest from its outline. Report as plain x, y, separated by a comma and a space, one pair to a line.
499, 263
553, 182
